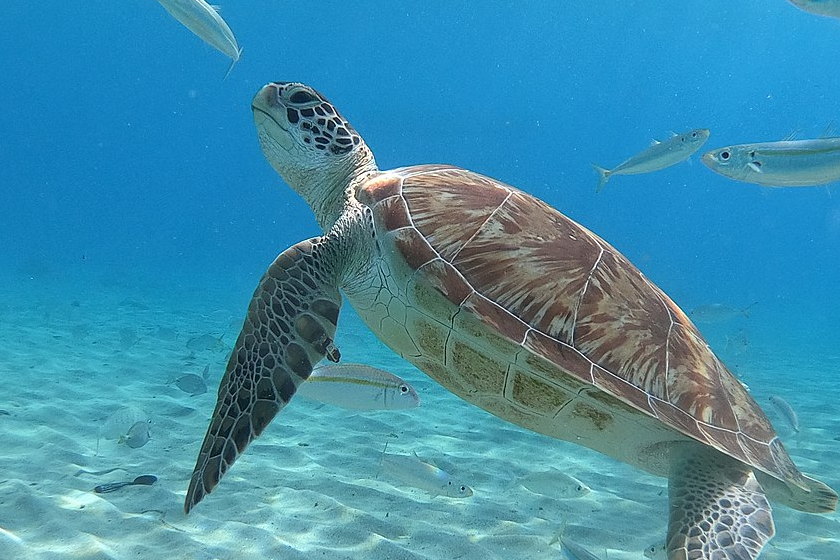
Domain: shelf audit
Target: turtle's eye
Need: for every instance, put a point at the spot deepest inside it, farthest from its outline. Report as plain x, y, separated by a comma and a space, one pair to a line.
302, 97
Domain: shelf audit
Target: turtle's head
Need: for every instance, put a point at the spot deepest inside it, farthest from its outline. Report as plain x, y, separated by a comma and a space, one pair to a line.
316, 151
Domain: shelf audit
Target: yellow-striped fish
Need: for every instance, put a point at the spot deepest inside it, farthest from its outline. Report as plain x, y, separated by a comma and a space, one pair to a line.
359, 387
789, 163
202, 19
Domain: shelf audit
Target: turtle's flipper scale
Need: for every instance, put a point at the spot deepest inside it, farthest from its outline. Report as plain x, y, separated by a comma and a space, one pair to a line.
290, 326
718, 510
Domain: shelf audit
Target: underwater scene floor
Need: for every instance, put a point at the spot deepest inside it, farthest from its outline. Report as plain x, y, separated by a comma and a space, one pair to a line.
81, 363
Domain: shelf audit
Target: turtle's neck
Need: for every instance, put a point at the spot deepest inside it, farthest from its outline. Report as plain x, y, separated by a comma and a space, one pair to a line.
327, 191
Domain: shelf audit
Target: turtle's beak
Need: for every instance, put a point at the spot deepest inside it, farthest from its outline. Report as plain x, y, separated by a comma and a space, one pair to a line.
267, 100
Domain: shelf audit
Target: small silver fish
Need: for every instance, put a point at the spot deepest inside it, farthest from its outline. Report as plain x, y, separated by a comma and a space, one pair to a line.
737, 343
359, 387
655, 552
202, 19
205, 342
789, 163
192, 384
554, 483
718, 313
660, 155
830, 8
787, 411
574, 551
137, 435
410, 470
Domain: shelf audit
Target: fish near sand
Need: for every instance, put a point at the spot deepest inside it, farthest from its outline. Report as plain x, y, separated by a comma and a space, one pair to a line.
660, 155
830, 8
570, 549
142, 480
359, 387
574, 551
786, 411
789, 163
655, 552
204, 342
137, 435
410, 470
554, 483
202, 19
193, 384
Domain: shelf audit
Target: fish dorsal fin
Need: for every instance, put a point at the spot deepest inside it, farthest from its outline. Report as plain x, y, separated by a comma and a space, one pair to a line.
654, 142
830, 130
791, 135
558, 536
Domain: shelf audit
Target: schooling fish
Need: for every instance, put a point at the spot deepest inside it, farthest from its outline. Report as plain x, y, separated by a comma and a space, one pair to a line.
829, 8
202, 19
555, 484
410, 470
660, 155
787, 411
359, 387
789, 163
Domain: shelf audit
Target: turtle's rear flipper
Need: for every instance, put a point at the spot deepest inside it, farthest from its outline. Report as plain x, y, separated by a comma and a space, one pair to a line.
718, 509
290, 326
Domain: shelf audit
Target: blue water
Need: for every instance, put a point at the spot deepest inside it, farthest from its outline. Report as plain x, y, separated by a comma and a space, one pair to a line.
127, 158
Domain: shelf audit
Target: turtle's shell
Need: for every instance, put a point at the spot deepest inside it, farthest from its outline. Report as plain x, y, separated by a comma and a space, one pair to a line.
546, 295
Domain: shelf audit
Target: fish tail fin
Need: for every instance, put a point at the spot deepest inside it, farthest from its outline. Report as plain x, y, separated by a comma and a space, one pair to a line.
381, 460
603, 176
746, 311
233, 63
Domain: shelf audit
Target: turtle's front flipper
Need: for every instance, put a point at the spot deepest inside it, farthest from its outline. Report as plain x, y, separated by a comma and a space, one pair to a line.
718, 510
290, 326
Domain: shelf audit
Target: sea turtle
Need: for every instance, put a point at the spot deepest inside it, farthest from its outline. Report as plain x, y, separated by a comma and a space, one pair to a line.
510, 305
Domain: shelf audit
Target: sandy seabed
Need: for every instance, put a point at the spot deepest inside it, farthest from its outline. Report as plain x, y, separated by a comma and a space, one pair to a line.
73, 354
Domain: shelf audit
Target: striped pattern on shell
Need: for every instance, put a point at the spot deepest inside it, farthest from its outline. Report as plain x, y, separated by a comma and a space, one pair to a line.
551, 286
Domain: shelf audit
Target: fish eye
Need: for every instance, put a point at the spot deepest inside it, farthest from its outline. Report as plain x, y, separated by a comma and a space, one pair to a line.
694, 135
463, 489
301, 97
724, 155
403, 389
579, 488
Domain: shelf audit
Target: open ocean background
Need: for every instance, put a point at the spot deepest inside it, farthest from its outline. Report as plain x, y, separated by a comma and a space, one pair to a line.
131, 170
